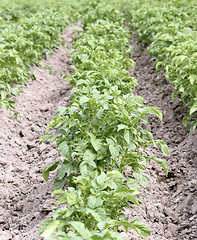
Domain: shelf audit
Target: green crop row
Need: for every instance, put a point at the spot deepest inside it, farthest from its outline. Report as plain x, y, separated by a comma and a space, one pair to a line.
29, 31
99, 135
170, 30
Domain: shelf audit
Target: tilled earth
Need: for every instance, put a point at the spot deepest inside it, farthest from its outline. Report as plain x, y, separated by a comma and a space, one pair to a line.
25, 199
169, 203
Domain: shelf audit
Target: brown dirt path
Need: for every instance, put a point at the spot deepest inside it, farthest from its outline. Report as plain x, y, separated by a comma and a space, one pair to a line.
25, 198
169, 204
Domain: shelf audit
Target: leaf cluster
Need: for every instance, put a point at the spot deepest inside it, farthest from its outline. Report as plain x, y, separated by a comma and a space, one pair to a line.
29, 31
169, 28
98, 135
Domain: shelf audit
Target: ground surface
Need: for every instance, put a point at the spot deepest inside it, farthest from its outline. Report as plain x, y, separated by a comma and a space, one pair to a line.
169, 204
24, 196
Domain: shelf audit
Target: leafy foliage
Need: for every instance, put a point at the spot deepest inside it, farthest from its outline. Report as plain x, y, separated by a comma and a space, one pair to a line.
29, 31
99, 134
169, 28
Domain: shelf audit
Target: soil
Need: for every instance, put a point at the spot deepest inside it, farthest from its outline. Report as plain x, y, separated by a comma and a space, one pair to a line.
169, 203
25, 197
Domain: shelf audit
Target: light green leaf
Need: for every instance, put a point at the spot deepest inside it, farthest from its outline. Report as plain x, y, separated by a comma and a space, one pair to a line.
96, 143
163, 146
94, 202
142, 178
15, 92
113, 151
60, 111
115, 174
127, 136
83, 99
193, 109
58, 191
163, 163
141, 228
193, 79
50, 229
89, 156
86, 169
153, 110
99, 214
122, 126
63, 148
80, 228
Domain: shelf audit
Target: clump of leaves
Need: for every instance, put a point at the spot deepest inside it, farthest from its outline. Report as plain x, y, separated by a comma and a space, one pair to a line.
94, 208
98, 135
170, 31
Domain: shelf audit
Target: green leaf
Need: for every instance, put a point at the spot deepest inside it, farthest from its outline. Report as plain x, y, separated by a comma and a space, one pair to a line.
15, 92
80, 228
50, 167
163, 146
3, 94
60, 111
127, 136
96, 143
61, 131
150, 136
63, 148
99, 214
132, 184
153, 110
66, 168
123, 192
59, 183
142, 178
51, 228
141, 228
89, 155
94, 202
101, 178
100, 114
113, 151
163, 163
62, 199
193, 109
44, 138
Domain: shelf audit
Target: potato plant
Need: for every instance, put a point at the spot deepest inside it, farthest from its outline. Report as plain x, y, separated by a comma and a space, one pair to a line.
98, 135
29, 31
169, 28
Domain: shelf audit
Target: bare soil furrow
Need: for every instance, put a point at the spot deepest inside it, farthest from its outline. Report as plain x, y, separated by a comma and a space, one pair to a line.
25, 197
169, 203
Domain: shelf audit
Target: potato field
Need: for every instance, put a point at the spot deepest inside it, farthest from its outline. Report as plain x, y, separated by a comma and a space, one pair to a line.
98, 117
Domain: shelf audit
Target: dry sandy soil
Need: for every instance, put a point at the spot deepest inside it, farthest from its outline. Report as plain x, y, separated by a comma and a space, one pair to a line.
169, 203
